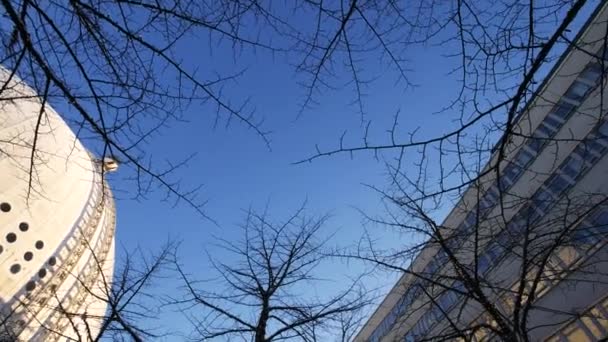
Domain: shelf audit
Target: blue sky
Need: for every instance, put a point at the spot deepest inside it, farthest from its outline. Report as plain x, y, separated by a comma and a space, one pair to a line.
239, 171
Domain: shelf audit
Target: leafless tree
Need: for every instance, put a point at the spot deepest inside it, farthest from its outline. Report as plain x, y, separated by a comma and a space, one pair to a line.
498, 264
113, 69
128, 299
348, 324
120, 51
265, 293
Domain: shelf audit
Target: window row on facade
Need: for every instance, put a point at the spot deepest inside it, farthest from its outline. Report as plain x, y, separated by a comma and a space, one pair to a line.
588, 152
591, 326
579, 161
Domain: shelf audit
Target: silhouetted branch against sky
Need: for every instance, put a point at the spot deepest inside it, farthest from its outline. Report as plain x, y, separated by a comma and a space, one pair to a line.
263, 292
119, 74
115, 66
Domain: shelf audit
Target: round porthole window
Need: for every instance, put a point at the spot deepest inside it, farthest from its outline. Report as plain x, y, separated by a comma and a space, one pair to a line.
11, 237
1, 249
39, 244
42, 273
5, 207
30, 286
15, 268
23, 226
52, 261
28, 256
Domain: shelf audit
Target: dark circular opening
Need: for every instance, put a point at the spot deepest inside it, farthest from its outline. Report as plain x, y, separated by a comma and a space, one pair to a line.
30, 286
1, 249
28, 256
5, 207
23, 226
52, 261
15, 268
42, 273
39, 244
11, 237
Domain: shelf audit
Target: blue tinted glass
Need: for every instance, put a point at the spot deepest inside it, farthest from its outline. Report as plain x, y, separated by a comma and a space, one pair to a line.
483, 264
492, 194
495, 251
551, 121
534, 214
562, 110
546, 130
523, 157
505, 182
572, 167
471, 218
542, 200
542, 132
583, 235
458, 285
512, 171
600, 222
535, 145
518, 223
503, 239
558, 184
603, 129
577, 91
431, 268
442, 257
592, 72
594, 146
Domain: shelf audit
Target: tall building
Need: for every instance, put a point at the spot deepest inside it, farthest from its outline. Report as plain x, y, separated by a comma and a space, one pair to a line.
57, 224
554, 180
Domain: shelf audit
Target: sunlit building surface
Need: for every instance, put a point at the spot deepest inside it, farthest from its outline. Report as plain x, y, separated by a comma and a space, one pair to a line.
561, 154
56, 225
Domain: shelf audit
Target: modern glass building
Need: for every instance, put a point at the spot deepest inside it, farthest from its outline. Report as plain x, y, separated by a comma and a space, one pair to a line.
548, 201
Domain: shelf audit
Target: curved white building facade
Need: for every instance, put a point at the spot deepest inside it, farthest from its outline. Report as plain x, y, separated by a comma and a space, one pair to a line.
57, 224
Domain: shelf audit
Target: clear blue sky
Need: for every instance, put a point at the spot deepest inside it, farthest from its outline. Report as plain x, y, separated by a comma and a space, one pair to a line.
238, 171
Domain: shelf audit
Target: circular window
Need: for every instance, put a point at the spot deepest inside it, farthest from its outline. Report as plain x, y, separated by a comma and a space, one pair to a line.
28, 256
11, 237
39, 244
23, 226
15, 268
1, 249
42, 273
30, 286
5, 207
52, 261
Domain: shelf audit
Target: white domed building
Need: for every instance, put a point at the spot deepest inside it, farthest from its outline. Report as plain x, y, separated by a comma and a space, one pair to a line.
57, 224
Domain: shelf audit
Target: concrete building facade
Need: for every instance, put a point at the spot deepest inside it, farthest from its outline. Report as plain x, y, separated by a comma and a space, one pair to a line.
57, 222
556, 179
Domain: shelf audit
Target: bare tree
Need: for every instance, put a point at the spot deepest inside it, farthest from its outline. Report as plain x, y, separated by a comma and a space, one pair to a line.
102, 308
348, 324
504, 264
265, 294
113, 68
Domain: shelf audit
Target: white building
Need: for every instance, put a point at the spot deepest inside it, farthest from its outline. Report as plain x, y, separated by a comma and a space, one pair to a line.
538, 180
57, 223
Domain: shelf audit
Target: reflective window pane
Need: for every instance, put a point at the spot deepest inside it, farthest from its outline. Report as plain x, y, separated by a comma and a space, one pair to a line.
577, 91
562, 110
